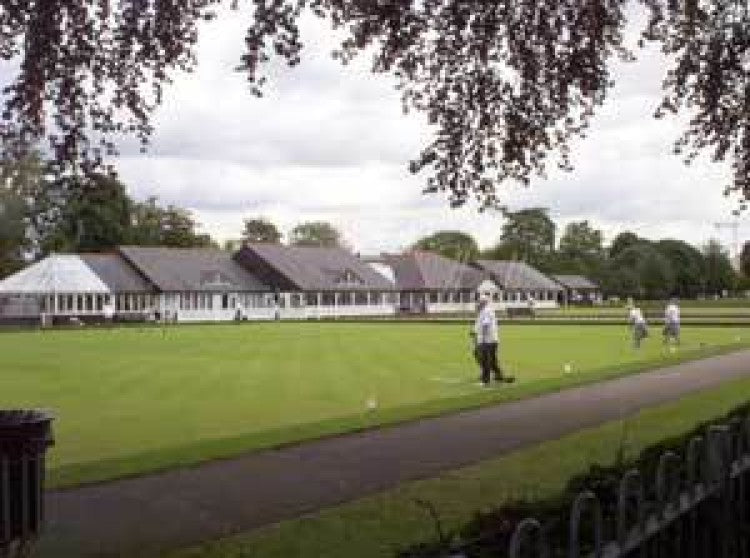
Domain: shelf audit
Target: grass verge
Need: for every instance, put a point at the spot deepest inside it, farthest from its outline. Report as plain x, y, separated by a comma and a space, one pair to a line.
380, 525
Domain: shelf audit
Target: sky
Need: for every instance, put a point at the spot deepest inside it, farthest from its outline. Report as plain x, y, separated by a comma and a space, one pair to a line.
331, 143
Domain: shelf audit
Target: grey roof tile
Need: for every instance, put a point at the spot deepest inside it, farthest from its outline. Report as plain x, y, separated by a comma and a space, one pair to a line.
191, 269
420, 270
575, 282
518, 275
315, 268
117, 273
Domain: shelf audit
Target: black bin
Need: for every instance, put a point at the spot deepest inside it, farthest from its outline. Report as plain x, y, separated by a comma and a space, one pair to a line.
25, 436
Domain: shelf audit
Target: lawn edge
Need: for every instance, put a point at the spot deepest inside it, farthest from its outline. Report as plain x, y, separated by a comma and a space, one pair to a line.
187, 456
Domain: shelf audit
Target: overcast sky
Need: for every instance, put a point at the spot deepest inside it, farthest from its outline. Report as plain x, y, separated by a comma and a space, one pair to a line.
330, 142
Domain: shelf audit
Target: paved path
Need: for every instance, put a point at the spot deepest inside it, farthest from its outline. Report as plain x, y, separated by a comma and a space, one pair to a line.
184, 507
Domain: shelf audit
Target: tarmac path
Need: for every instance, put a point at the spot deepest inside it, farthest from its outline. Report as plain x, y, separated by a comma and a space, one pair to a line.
184, 507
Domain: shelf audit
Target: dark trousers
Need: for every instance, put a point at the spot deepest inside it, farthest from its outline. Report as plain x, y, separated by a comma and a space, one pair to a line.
486, 354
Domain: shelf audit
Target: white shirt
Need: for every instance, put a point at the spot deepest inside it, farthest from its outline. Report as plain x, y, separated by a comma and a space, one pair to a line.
109, 310
672, 314
635, 316
485, 326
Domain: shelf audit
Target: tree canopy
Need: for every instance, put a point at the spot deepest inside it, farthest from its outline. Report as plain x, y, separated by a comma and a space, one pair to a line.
260, 229
687, 265
456, 245
41, 212
581, 251
95, 215
315, 233
719, 273
506, 84
13, 238
527, 235
745, 259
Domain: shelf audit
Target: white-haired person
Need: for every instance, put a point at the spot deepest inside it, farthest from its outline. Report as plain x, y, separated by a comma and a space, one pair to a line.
672, 322
638, 325
486, 344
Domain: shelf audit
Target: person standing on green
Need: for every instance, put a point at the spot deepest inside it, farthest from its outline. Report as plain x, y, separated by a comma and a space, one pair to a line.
486, 338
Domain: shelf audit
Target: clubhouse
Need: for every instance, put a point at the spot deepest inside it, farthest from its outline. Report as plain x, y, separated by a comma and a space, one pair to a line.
260, 282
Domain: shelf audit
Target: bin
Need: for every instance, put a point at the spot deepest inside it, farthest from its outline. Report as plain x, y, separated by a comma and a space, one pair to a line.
25, 436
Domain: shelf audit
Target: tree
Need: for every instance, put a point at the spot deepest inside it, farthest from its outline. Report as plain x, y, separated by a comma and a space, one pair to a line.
505, 84
640, 271
687, 264
315, 233
581, 250
179, 230
528, 235
146, 227
719, 273
95, 215
231, 245
455, 245
656, 273
20, 192
623, 241
152, 225
581, 240
260, 229
745, 259
14, 239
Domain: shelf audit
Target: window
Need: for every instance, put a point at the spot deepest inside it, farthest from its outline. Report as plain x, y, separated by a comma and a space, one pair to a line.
328, 299
433, 297
348, 277
360, 298
311, 299
224, 301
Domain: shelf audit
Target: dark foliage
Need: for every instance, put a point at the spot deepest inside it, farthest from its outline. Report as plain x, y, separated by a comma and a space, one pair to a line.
505, 84
456, 245
489, 533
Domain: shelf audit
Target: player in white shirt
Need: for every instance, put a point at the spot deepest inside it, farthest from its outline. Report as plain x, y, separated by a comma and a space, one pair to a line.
672, 322
109, 311
486, 339
638, 325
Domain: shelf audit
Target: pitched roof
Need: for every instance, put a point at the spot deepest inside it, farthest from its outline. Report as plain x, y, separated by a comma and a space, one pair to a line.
191, 269
311, 268
117, 273
384, 269
418, 270
58, 273
518, 275
575, 282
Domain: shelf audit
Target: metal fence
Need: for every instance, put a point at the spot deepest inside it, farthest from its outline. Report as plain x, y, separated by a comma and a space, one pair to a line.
698, 506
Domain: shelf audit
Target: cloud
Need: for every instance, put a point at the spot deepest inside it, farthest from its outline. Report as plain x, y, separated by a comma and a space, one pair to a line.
330, 142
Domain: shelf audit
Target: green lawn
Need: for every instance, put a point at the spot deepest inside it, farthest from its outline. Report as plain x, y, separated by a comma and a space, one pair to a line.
131, 400
378, 526
651, 309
